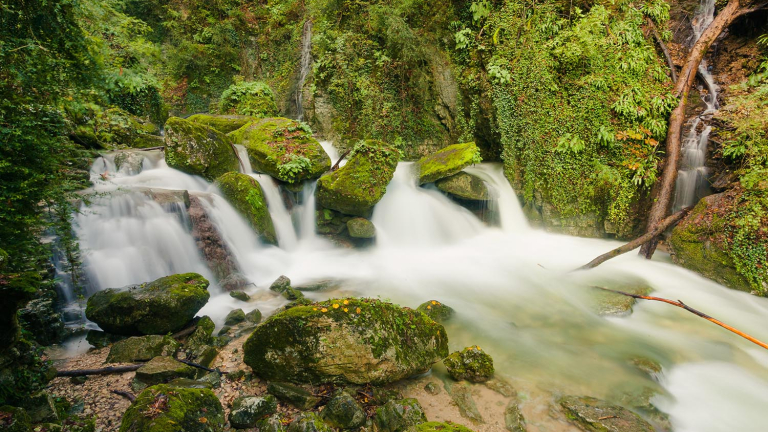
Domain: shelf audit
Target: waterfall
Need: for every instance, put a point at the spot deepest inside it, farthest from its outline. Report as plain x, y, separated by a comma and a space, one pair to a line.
692, 183
306, 63
245, 162
505, 200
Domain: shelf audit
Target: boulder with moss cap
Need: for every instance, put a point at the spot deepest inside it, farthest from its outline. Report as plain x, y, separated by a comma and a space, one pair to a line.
198, 150
222, 123
247, 197
471, 364
164, 408
345, 341
592, 414
436, 310
447, 162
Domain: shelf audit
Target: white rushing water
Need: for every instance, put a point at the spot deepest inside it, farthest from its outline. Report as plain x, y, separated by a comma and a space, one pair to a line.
510, 285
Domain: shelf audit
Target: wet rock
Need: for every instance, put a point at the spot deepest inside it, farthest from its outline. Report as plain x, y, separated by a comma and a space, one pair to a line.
309, 422
248, 410
501, 387
253, 316
159, 307
432, 388
345, 341
100, 339
233, 282
163, 369
280, 284
395, 416
41, 408
130, 162
210, 242
240, 295
222, 123
462, 397
189, 383
436, 310
646, 365
234, 317
471, 364
357, 186
319, 286
198, 150
438, 427
592, 414
40, 319
14, 419
292, 294
164, 408
199, 345
607, 303
361, 228
270, 424
447, 162
464, 186
247, 197
283, 148
293, 395
343, 412
513, 418
141, 349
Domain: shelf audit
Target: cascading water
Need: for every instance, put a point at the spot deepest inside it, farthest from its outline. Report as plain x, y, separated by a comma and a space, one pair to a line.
510, 285
692, 183
306, 64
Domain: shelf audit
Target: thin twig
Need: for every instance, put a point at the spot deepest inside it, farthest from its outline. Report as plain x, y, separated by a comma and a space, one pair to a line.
199, 366
130, 396
336, 165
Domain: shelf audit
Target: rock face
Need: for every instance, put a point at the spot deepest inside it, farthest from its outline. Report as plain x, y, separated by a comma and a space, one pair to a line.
141, 349
164, 408
345, 341
158, 307
211, 244
471, 364
592, 414
246, 196
447, 162
357, 186
464, 186
699, 242
198, 150
283, 149
248, 410
222, 123
253, 98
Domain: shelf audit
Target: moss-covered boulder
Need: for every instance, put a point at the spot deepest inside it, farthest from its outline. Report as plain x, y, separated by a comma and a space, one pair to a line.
447, 162
361, 228
248, 410
345, 341
464, 186
309, 422
247, 197
198, 150
240, 295
294, 395
158, 307
253, 316
222, 123
14, 419
163, 369
117, 128
234, 317
399, 415
700, 241
253, 98
471, 364
438, 427
592, 414
283, 148
199, 345
357, 186
436, 310
141, 349
273, 423
163, 408
343, 412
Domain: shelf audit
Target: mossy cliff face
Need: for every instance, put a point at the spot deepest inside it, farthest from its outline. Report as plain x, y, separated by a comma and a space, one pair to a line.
700, 241
222, 123
117, 128
357, 186
345, 341
283, 148
164, 408
158, 307
198, 150
246, 196
447, 162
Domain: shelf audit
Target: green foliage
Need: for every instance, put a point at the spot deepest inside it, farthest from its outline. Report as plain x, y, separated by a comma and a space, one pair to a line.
249, 98
294, 166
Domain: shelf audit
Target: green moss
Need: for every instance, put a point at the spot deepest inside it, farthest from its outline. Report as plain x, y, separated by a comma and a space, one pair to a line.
471, 364
163, 369
595, 415
399, 415
345, 340
436, 310
246, 196
357, 186
253, 99
16, 289
141, 348
309, 422
13, 419
439, 427
198, 150
447, 162
283, 148
222, 123
163, 408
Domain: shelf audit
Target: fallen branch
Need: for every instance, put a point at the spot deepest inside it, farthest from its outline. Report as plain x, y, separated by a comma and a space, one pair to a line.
150, 148
102, 371
336, 165
125, 394
666, 223
199, 366
664, 49
682, 305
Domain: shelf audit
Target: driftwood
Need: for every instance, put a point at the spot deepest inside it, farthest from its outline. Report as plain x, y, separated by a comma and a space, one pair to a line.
102, 371
682, 305
664, 49
130, 396
149, 148
336, 165
666, 223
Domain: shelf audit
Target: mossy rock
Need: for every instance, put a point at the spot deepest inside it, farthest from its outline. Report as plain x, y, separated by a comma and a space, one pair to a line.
395, 416
247, 197
343, 412
163, 408
595, 415
471, 364
294, 395
115, 127
272, 423
283, 148
254, 98
439, 427
345, 341
159, 307
447, 162
40, 319
361, 228
513, 417
240, 295
309, 422
280, 284
436, 310
248, 410
198, 150
234, 317
163, 369
100, 339
130, 162
357, 186
222, 123
465, 186
253, 316
141, 349
14, 419
607, 303
462, 398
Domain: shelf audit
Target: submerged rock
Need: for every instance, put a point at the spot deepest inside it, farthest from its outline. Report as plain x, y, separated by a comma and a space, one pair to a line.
211, 244
235, 281
163, 369
248, 410
464, 186
447, 162
159, 307
343, 412
345, 341
395, 416
141, 349
240, 295
513, 418
253, 316
462, 397
357, 186
198, 150
130, 162
361, 228
246, 196
436, 310
222, 123
293, 395
164, 408
471, 364
283, 148
607, 303
592, 414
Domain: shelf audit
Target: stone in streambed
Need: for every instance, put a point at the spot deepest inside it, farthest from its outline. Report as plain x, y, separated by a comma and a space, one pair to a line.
234, 317
361, 228
130, 162
272, 423
395, 416
436, 310
247, 197
248, 410
163, 369
164, 408
141, 349
309, 422
591, 414
253, 316
240, 295
462, 397
293, 395
464, 186
447, 162
471, 364
513, 418
343, 412
198, 150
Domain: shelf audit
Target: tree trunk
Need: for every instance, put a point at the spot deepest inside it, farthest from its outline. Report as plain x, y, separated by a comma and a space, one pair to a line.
677, 119
664, 49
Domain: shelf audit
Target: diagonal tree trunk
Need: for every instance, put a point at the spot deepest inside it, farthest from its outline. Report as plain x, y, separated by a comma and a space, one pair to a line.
661, 205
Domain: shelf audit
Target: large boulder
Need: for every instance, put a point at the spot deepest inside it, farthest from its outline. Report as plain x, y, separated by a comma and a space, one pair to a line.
198, 150
246, 196
592, 414
357, 186
345, 341
343, 412
248, 410
471, 364
141, 348
447, 162
130, 162
399, 415
164, 408
464, 186
163, 369
117, 128
158, 307
283, 148
222, 123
